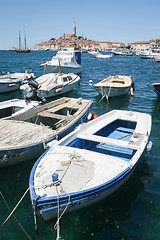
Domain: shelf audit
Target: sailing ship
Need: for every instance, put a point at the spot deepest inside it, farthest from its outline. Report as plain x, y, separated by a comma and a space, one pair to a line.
25, 50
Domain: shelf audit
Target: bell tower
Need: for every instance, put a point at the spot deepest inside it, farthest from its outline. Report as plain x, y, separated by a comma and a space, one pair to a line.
74, 28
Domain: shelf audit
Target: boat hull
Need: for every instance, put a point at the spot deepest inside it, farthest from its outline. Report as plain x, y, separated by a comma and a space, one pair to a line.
50, 213
15, 107
5, 87
48, 68
108, 149
14, 155
112, 92
57, 91
11, 82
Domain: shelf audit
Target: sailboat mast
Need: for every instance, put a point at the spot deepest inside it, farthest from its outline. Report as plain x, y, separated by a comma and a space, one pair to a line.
19, 40
25, 40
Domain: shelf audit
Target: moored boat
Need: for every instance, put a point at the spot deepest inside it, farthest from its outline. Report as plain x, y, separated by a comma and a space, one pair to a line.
114, 86
88, 164
70, 61
147, 54
12, 81
14, 107
25, 136
104, 55
52, 84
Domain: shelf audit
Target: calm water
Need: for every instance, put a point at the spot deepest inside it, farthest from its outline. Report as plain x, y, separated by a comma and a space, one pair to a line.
131, 213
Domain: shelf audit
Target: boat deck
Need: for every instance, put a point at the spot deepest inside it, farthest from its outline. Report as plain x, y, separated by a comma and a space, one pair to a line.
16, 134
115, 81
78, 170
94, 155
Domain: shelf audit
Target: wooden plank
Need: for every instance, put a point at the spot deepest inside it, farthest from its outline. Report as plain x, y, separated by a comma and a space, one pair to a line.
18, 134
53, 115
106, 140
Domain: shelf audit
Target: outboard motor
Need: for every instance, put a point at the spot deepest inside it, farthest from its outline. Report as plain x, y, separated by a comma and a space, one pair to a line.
30, 93
32, 83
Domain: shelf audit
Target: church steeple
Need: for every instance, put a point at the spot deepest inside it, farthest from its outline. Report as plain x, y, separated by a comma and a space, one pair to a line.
74, 28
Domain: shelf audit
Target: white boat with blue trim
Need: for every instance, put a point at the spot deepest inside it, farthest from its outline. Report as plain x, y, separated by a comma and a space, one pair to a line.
69, 59
28, 135
12, 81
88, 164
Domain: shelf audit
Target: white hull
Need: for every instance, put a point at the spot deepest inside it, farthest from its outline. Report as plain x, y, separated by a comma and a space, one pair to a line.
104, 56
114, 86
147, 55
12, 82
65, 69
112, 92
16, 107
52, 214
57, 91
53, 84
90, 163
69, 61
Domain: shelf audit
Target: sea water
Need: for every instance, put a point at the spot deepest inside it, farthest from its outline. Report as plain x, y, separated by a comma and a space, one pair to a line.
133, 211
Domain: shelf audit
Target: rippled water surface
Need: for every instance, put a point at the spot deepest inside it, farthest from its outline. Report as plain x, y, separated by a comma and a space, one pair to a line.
132, 212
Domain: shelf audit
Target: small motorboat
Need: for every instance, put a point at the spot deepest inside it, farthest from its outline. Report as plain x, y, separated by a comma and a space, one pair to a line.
100, 55
156, 87
147, 55
114, 86
12, 81
26, 136
51, 84
88, 164
69, 59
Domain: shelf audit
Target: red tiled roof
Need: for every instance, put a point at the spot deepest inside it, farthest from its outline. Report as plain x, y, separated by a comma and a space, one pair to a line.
105, 42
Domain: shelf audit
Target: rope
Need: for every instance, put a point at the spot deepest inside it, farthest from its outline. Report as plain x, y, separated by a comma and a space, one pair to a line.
15, 208
105, 95
57, 225
15, 216
11, 213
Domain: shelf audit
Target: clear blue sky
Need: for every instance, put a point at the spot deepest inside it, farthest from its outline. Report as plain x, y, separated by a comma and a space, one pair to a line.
102, 20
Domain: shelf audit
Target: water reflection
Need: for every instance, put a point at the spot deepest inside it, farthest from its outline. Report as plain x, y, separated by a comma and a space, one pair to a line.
107, 214
121, 102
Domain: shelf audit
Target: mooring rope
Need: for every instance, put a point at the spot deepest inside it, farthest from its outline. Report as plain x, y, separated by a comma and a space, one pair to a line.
15, 208
105, 95
13, 217
57, 224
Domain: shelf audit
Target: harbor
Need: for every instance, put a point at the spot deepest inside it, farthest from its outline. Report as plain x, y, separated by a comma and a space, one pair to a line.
132, 211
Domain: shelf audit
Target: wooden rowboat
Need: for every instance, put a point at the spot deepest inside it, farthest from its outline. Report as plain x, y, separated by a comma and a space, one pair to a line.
88, 164
27, 138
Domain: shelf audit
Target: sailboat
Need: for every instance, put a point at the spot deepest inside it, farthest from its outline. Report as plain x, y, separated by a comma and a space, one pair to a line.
25, 50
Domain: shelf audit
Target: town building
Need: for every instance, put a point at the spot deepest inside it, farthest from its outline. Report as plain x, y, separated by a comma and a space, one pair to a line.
142, 46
